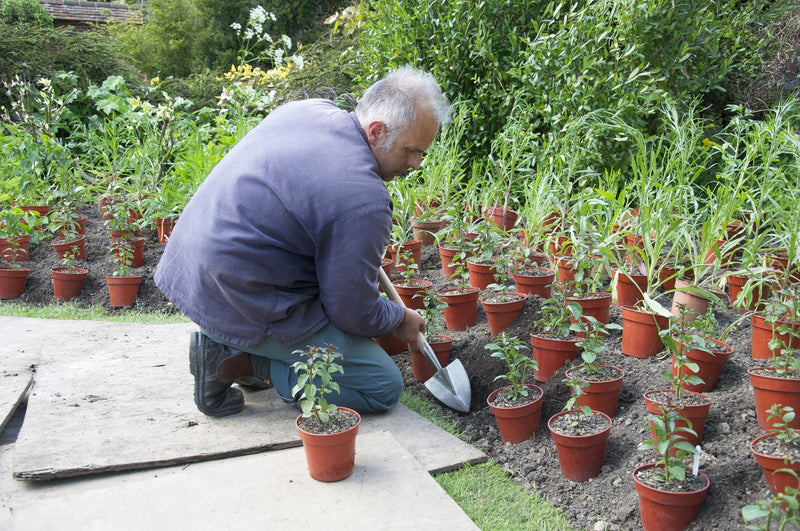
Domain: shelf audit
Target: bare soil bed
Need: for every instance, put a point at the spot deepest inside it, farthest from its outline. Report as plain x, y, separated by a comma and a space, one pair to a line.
608, 501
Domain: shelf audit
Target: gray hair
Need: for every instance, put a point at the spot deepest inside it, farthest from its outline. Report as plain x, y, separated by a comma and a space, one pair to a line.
395, 100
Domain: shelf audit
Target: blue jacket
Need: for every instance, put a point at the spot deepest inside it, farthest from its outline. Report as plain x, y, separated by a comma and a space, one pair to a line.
286, 234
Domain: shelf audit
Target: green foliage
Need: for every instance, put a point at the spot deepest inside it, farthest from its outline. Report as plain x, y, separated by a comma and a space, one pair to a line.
669, 440
469, 46
513, 352
315, 380
165, 43
782, 509
24, 12
122, 256
34, 52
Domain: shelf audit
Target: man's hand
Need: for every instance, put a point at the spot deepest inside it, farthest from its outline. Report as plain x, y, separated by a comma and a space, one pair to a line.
410, 328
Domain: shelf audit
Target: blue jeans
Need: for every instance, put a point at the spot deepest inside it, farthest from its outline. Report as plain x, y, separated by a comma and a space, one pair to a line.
371, 382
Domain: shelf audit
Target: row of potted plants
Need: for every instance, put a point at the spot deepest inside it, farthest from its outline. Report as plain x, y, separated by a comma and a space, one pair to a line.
66, 232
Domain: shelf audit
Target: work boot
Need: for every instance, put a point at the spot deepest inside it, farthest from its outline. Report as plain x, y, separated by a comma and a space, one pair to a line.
213, 393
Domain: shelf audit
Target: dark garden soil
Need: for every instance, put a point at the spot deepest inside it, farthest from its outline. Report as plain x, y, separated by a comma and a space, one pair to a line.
608, 501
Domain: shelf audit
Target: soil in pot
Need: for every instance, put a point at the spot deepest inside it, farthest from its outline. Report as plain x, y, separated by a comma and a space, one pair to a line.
695, 408
517, 419
330, 447
602, 392
668, 506
580, 442
501, 309
773, 455
771, 387
537, 281
551, 353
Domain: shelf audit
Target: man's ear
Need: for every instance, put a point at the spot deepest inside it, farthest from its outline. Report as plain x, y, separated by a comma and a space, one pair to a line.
376, 132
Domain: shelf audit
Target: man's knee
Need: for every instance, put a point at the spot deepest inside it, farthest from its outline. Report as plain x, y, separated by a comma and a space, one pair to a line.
387, 395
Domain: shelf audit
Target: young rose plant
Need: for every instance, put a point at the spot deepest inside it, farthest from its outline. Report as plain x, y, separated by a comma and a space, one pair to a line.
315, 380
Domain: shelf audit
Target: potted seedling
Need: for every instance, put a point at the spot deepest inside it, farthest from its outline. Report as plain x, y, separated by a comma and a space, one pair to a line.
601, 383
123, 283
462, 299
697, 342
778, 451
65, 223
529, 268
487, 245
670, 493
517, 407
123, 224
501, 304
402, 232
68, 279
17, 229
454, 239
778, 383
328, 432
777, 324
580, 435
440, 342
553, 342
693, 406
411, 290
584, 282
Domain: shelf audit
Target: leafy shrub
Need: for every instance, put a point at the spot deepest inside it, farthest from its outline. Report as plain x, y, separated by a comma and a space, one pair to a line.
34, 52
469, 46
24, 11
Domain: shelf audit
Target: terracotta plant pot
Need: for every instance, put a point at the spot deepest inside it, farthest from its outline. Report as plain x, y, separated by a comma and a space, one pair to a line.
12, 282
462, 307
629, 287
61, 247
413, 294
551, 353
164, 228
412, 246
480, 275
580, 456
762, 332
779, 260
709, 366
770, 464
564, 269
517, 424
68, 282
694, 413
123, 291
601, 395
390, 344
640, 330
505, 218
667, 275
695, 303
663, 510
502, 309
598, 305
330, 456
425, 231
736, 284
538, 284
769, 389
424, 370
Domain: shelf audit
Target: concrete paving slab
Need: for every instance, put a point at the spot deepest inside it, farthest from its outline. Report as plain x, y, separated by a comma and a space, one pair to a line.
118, 396
13, 386
389, 489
